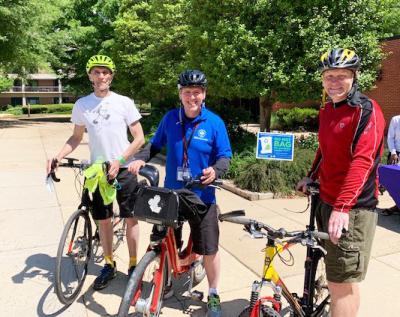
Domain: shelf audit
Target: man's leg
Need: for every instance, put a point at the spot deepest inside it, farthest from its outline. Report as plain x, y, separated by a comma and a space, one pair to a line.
106, 239
106, 236
345, 299
212, 264
132, 238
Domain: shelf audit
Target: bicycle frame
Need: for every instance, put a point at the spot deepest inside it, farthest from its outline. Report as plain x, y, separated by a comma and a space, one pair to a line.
303, 307
177, 262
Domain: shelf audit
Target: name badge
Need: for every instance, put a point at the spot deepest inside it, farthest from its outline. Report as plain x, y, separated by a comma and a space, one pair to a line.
183, 174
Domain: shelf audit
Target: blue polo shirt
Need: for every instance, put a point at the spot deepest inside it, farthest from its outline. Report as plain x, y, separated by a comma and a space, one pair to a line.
209, 143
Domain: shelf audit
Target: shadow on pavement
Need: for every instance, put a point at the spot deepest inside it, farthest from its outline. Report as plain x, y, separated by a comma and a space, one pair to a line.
391, 222
24, 121
39, 266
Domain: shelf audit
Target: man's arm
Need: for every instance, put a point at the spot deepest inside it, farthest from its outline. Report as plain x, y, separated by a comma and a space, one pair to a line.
138, 140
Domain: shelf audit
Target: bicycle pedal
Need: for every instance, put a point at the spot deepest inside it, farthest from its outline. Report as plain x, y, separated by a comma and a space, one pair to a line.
196, 295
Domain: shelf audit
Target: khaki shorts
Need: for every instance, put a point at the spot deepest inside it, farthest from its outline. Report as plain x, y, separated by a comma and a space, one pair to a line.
348, 261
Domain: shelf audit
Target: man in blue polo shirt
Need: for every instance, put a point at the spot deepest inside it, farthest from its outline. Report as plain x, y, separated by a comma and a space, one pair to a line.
197, 144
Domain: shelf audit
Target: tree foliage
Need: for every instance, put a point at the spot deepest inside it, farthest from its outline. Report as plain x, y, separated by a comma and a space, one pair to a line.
150, 46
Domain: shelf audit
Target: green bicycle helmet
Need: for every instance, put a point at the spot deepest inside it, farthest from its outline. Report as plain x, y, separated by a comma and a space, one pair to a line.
100, 60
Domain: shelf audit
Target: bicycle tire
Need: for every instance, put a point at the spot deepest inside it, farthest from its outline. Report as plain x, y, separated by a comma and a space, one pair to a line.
321, 293
321, 288
134, 282
199, 272
119, 232
72, 265
265, 312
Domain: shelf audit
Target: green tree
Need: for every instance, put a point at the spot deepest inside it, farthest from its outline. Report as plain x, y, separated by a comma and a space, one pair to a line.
270, 48
25, 26
85, 28
150, 47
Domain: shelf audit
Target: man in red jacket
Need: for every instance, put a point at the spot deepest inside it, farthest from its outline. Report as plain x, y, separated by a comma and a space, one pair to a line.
351, 128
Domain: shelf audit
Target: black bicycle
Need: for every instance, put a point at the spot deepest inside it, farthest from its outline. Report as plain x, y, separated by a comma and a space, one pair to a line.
315, 300
78, 242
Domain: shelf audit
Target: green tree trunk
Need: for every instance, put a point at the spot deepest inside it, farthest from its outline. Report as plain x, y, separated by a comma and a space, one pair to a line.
265, 113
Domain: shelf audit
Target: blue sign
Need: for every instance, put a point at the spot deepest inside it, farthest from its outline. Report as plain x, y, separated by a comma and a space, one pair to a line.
275, 146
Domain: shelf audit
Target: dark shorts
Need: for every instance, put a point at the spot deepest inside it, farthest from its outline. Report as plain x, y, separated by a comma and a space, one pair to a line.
128, 184
205, 233
348, 261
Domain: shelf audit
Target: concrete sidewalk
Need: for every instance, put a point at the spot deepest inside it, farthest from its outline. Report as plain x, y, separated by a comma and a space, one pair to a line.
33, 220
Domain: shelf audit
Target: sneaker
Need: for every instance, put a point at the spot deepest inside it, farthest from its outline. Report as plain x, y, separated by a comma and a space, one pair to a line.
214, 306
107, 273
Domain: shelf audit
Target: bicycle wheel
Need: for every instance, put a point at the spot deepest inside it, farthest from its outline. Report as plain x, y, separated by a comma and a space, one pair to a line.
265, 311
151, 278
199, 272
73, 256
119, 230
321, 292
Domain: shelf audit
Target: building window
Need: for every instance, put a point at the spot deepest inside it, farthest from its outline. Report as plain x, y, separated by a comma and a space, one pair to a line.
32, 100
16, 101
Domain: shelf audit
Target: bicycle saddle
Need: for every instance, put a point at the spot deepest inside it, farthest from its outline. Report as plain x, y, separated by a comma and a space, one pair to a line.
151, 174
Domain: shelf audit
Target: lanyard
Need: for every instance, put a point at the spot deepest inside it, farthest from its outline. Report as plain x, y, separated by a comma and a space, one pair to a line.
186, 143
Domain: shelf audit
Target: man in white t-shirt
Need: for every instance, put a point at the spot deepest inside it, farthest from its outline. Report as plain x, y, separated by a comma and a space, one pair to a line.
106, 115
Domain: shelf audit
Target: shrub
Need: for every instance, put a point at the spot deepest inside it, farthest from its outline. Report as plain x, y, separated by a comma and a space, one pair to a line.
278, 177
308, 142
296, 119
15, 110
56, 108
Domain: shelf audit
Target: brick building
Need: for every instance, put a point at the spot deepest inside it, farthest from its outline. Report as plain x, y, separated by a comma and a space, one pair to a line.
387, 87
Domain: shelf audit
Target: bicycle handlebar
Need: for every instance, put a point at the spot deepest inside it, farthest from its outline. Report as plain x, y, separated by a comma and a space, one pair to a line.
252, 224
70, 164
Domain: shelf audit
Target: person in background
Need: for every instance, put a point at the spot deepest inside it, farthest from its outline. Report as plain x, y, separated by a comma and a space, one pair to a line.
393, 141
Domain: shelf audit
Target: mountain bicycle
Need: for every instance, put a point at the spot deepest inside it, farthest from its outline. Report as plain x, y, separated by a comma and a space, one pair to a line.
146, 287
78, 242
315, 300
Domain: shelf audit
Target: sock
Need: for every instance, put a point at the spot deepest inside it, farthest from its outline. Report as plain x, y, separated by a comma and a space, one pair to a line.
109, 260
212, 291
132, 261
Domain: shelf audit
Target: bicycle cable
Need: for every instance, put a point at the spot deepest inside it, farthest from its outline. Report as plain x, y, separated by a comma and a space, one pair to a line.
301, 212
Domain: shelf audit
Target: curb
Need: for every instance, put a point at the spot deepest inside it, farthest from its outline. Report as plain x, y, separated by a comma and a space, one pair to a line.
230, 186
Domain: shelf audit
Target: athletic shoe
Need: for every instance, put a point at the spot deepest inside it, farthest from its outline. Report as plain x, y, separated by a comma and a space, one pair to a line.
214, 306
107, 273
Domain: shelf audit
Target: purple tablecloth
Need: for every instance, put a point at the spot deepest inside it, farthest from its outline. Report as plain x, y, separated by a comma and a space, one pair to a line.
389, 177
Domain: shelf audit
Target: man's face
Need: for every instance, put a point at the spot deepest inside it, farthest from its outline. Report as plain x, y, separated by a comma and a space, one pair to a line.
337, 83
192, 99
101, 78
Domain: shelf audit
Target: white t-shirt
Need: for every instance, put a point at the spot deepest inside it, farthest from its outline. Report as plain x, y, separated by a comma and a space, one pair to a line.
393, 137
106, 121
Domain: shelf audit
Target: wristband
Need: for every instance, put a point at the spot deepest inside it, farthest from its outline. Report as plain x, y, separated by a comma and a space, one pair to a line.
121, 160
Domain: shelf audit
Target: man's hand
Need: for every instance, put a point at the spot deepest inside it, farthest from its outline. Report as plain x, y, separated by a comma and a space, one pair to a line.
302, 185
394, 159
337, 222
135, 166
208, 176
113, 169
52, 164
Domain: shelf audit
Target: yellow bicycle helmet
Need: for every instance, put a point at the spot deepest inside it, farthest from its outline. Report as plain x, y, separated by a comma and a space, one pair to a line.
100, 60
339, 58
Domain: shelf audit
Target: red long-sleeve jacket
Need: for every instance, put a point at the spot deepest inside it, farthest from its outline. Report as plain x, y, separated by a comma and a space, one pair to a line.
350, 147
